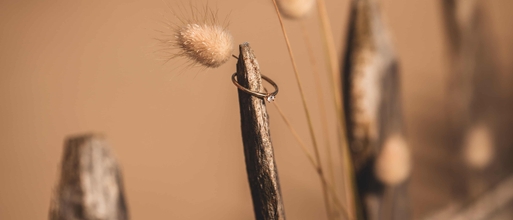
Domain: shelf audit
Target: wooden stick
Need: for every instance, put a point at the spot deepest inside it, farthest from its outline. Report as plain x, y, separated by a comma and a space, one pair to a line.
90, 185
256, 137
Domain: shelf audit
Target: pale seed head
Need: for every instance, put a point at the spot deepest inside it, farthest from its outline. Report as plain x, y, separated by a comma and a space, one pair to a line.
478, 147
295, 9
197, 36
206, 44
393, 164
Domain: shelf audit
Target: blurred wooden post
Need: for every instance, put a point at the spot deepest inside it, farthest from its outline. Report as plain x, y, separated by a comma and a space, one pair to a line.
372, 103
90, 185
473, 96
258, 149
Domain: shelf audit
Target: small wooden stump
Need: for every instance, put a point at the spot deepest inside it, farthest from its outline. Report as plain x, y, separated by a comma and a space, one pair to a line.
90, 185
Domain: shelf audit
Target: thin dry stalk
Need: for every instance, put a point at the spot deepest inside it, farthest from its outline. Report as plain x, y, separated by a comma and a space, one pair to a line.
307, 112
337, 202
329, 47
296, 135
320, 99
331, 188
336, 88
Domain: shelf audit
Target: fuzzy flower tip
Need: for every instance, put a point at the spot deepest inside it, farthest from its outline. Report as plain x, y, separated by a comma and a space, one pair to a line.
195, 34
478, 147
295, 9
393, 164
207, 44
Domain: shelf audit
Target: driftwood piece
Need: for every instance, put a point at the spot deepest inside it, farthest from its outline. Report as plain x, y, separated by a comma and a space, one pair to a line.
372, 104
90, 185
258, 149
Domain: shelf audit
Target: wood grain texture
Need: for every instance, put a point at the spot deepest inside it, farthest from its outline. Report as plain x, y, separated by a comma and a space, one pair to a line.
258, 148
90, 185
372, 103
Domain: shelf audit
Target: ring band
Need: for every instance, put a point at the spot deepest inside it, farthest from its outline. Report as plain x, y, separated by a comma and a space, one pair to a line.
267, 96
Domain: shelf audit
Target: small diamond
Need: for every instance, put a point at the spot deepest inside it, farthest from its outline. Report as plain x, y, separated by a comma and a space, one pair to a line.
270, 98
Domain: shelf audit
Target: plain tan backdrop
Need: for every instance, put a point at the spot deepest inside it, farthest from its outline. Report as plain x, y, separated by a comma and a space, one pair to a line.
69, 67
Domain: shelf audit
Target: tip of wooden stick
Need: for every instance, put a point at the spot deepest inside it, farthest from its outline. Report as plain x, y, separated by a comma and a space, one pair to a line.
90, 184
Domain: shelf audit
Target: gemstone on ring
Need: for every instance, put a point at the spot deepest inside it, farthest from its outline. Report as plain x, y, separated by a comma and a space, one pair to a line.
270, 98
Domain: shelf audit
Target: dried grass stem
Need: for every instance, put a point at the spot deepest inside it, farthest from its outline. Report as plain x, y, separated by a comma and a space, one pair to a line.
321, 103
336, 88
307, 112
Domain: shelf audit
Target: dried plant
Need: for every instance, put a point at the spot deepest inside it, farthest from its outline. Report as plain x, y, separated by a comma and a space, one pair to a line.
393, 164
295, 9
199, 37
479, 148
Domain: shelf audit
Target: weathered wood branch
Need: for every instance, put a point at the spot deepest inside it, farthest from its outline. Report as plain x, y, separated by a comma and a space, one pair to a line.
258, 148
90, 185
372, 104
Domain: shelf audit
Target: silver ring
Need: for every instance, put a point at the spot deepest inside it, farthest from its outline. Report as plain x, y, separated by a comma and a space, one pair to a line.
267, 96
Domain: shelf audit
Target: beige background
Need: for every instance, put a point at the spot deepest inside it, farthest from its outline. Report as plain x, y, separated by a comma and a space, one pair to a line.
69, 67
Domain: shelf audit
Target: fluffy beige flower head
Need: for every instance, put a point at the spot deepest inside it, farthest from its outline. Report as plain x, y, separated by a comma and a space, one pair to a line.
393, 164
295, 9
195, 33
478, 147
207, 44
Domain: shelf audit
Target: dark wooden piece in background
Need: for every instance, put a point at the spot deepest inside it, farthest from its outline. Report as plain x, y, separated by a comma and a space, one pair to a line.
90, 185
372, 105
475, 99
474, 96
258, 149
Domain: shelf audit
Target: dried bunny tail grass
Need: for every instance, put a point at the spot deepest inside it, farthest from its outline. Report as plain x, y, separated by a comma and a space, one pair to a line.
198, 37
393, 164
295, 9
208, 45
479, 147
